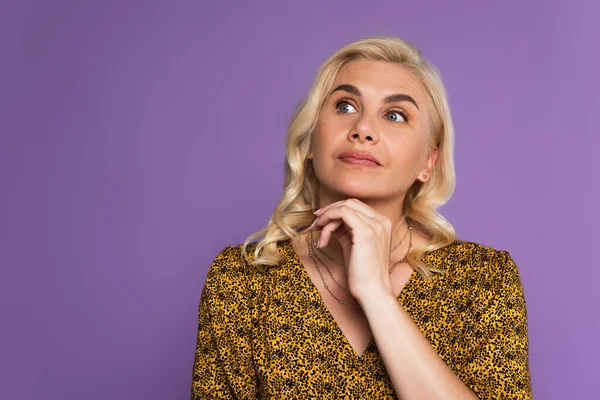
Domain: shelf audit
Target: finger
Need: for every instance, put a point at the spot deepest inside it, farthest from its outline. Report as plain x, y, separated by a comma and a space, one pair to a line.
327, 232
358, 206
334, 217
374, 233
379, 222
365, 209
327, 207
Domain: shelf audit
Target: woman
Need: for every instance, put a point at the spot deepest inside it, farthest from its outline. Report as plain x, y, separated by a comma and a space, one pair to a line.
375, 297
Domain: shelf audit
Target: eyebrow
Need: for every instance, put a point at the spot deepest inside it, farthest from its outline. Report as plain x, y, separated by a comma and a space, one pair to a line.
389, 99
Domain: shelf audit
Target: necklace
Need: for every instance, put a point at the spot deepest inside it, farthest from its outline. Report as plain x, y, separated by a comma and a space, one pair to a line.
407, 250
311, 243
310, 254
313, 254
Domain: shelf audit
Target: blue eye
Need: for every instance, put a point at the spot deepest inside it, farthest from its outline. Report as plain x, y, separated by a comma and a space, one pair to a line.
399, 112
342, 106
345, 104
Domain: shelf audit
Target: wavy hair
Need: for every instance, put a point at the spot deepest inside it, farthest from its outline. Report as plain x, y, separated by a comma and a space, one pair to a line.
301, 186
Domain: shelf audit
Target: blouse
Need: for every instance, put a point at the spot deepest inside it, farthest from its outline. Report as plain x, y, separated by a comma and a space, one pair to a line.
265, 332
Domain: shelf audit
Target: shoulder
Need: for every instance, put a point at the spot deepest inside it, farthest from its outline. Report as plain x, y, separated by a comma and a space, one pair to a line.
226, 262
226, 271
231, 271
231, 284
463, 250
231, 260
475, 261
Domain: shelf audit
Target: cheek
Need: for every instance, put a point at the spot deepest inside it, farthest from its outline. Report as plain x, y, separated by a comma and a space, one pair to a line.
326, 126
407, 157
324, 135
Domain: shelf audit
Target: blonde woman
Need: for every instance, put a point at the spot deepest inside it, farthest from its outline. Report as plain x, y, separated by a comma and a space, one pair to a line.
371, 296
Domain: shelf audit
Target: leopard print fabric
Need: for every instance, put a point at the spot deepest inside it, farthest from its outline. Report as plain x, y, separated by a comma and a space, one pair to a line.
265, 332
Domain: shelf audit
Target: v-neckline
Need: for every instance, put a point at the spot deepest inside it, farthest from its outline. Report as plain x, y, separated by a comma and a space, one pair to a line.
327, 313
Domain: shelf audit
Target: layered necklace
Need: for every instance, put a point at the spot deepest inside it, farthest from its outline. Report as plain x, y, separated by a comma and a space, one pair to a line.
311, 253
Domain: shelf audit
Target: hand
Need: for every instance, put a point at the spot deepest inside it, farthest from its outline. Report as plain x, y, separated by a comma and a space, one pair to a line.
365, 236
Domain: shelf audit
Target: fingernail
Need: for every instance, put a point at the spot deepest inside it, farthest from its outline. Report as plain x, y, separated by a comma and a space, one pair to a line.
317, 211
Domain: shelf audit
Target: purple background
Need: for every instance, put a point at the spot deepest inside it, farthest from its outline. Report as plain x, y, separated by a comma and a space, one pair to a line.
139, 138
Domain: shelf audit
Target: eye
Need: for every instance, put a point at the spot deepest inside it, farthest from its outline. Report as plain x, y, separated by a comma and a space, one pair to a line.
402, 114
342, 106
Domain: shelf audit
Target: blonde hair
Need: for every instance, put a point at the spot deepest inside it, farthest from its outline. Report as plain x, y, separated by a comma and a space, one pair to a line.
301, 186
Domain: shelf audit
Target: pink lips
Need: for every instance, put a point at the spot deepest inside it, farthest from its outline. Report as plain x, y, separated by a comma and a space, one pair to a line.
359, 158
355, 161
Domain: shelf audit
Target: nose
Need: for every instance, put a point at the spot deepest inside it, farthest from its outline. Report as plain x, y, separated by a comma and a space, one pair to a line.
363, 130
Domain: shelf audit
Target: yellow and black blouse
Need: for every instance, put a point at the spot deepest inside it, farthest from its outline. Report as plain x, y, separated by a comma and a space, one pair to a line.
265, 332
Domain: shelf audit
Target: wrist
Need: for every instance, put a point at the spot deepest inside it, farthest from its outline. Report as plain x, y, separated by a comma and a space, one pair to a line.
374, 295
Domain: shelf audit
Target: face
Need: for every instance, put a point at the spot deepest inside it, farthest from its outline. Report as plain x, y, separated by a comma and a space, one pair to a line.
359, 114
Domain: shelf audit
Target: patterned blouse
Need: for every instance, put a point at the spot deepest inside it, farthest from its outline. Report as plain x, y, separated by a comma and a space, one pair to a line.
265, 332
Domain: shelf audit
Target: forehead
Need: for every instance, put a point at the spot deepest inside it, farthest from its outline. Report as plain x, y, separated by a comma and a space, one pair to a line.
380, 78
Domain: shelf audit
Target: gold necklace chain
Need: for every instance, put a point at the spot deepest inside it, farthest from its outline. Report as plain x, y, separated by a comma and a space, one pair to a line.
313, 254
407, 250
325, 284
311, 243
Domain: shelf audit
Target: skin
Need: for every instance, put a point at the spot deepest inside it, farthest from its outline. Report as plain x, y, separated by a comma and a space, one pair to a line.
360, 220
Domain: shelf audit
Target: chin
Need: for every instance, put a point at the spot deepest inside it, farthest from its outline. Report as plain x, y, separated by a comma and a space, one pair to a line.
359, 190
355, 184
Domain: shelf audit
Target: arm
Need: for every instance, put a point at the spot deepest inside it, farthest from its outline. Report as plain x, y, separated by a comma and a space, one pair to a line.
497, 366
415, 369
222, 362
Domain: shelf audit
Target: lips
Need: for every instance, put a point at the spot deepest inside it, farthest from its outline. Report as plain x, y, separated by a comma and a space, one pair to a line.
359, 155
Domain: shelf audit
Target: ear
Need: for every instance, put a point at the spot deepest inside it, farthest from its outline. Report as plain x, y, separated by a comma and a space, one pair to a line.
310, 156
425, 174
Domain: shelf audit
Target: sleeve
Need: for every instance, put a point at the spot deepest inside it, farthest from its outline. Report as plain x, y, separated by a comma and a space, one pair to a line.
497, 366
223, 366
